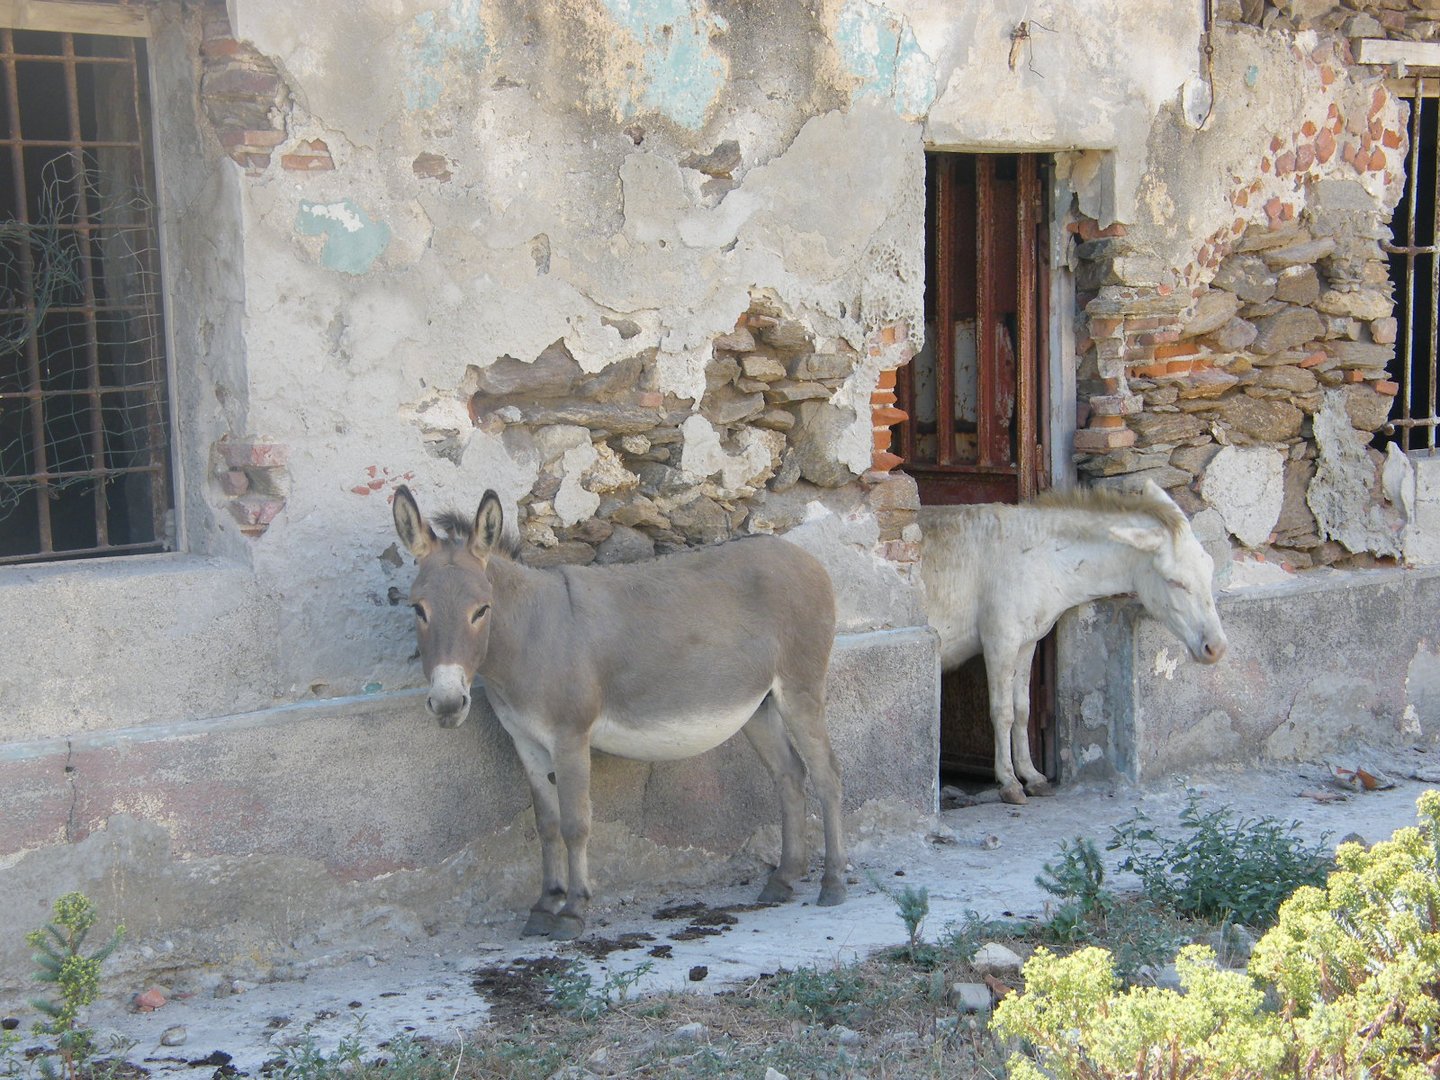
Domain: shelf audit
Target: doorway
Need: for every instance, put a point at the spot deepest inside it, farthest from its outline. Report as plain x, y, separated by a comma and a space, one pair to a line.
977, 394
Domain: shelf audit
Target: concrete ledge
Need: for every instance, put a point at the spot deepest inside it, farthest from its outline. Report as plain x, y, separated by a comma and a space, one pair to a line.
1317, 664
248, 830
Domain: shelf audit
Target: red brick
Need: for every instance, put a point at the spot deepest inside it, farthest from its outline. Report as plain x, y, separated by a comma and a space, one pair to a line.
1276, 143
1391, 138
1304, 156
884, 416
312, 155
1313, 360
1285, 164
1175, 350
1386, 387
884, 461
1308, 129
1377, 160
1377, 102
1242, 197
267, 137
1324, 147
1327, 75
234, 482
1354, 375
886, 380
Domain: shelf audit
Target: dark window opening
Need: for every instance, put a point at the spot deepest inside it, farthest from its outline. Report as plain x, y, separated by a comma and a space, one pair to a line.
1415, 273
84, 429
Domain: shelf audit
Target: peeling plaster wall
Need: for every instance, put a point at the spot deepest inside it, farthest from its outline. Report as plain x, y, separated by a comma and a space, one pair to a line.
645, 270
698, 215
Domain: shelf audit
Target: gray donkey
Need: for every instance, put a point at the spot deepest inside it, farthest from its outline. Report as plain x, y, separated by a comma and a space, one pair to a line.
656, 660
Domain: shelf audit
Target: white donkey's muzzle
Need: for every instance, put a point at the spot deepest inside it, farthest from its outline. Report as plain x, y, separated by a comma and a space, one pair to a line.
449, 698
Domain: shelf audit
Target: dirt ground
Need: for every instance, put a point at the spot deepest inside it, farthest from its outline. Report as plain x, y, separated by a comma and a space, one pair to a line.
981, 858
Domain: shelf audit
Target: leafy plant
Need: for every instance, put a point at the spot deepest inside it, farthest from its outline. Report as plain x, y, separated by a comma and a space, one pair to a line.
1139, 933
1352, 969
1357, 963
574, 993
1221, 866
913, 906
1082, 1029
60, 961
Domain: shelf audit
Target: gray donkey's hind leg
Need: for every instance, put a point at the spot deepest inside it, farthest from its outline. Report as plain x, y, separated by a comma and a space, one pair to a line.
803, 710
766, 732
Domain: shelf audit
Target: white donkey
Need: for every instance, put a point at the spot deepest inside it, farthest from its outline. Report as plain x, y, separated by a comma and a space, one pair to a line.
998, 578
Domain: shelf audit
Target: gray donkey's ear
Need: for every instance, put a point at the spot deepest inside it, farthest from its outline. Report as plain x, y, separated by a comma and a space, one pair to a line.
489, 524
415, 533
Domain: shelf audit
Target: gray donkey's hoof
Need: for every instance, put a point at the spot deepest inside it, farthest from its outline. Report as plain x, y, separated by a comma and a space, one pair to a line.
539, 924
831, 894
567, 927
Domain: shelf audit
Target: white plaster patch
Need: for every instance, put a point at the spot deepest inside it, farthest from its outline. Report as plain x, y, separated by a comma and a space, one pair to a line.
1246, 485
1165, 664
1340, 494
340, 213
1250, 573
1093, 752
751, 463
573, 503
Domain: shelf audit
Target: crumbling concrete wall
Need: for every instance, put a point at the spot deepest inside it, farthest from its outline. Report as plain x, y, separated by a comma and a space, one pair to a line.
646, 272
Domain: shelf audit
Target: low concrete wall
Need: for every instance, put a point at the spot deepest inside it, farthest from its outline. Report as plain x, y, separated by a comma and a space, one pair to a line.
270, 834
1318, 664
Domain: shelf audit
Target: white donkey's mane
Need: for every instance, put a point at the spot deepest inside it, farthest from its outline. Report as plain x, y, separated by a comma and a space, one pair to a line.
1105, 501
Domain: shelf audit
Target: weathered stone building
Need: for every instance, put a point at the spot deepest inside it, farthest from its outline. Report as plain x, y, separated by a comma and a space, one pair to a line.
658, 274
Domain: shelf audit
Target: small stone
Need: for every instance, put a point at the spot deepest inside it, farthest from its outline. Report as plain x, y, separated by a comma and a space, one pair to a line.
738, 340
990, 842
693, 1032
1298, 285
149, 1000
698, 973
1167, 978
1384, 331
995, 959
1247, 277
173, 1036
625, 545
1235, 335
786, 392
775, 420
773, 1074
1299, 254
822, 366
1286, 329
1212, 311
846, 1036
970, 997
763, 368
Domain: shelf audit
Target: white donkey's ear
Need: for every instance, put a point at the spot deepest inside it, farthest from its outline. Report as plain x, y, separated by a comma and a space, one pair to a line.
415, 533
1141, 539
1155, 491
489, 524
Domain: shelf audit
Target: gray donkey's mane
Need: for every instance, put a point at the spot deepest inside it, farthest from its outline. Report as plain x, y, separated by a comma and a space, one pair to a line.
460, 529
1105, 501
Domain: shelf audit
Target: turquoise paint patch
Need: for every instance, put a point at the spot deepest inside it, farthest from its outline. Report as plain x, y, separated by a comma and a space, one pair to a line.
880, 50
457, 37
682, 73
1252, 76
353, 241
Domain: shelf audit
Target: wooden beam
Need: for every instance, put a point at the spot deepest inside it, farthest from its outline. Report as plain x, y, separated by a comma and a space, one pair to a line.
76, 18
1421, 54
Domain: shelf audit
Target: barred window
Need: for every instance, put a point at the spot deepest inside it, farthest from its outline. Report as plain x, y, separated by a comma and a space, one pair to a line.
1415, 271
84, 412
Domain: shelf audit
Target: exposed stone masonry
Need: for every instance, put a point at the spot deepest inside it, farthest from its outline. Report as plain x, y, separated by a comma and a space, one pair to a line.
627, 471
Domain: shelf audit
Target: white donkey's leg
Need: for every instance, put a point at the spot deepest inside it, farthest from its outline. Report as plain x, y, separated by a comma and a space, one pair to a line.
1034, 780
803, 710
766, 732
539, 772
1000, 676
572, 782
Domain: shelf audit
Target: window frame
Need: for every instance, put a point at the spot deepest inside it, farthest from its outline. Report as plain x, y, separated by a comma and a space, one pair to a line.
124, 21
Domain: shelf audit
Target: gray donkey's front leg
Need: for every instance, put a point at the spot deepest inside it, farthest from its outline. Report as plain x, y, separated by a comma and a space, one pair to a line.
538, 771
572, 783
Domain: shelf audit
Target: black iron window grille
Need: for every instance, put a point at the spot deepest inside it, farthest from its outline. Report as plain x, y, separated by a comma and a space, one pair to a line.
84, 414
1415, 271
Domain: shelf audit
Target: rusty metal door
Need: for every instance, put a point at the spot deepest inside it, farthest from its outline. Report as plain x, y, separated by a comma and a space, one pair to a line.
977, 393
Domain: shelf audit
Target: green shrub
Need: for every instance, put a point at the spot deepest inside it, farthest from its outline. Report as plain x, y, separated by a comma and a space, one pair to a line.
59, 960
1353, 966
1137, 931
1221, 867
1357, 963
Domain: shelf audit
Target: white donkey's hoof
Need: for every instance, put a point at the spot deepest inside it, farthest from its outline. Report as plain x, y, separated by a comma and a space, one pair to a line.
1013, 794
1040, 788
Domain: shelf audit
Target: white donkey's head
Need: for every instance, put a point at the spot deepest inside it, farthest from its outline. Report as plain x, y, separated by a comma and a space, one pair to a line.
1174, 581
